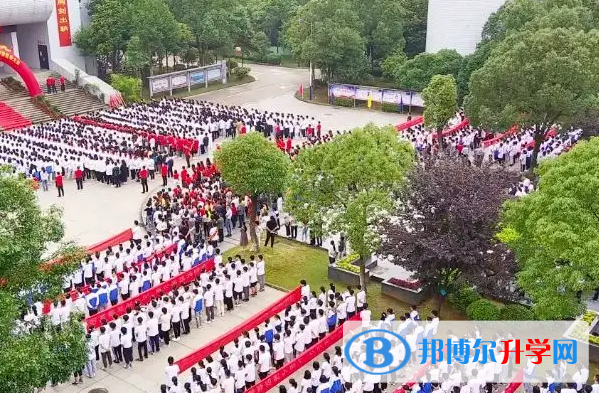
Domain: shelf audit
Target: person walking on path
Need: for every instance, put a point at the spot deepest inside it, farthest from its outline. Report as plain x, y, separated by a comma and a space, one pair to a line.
143, 176
79, 178
59, 184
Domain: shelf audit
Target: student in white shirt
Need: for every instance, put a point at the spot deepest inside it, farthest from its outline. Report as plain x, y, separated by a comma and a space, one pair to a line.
153, 332
261, 271
170, 371
360, 298
141, 337
105, 348
165, 325
127, 346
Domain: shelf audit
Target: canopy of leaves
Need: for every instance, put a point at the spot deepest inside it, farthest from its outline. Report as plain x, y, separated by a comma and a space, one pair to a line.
351, 182
416, 14
536, 77
440, 98
30, 360
128, 86
251, 165
445, 225
554, 232
327, 32
416, 73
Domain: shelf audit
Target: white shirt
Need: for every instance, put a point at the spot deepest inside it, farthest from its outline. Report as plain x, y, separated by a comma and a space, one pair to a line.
170, 372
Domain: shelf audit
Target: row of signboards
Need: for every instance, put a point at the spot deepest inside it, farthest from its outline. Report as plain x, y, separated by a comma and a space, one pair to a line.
354, 92
187, 78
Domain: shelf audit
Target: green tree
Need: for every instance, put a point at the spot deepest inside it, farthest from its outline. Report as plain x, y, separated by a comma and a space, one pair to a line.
416, 73
327, 32
536, 79
253, 166
392, 63
137, 58
554, 233
30, 360
440, 98
350, 183
107, 34
382, 27
128, 86
415, 21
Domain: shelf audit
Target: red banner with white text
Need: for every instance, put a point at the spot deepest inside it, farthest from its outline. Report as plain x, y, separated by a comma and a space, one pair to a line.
213, 346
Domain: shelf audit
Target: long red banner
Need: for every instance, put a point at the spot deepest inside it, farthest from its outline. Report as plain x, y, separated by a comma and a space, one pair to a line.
117, 239
411, 123
214, 345
464, 123
145, 297
304, 358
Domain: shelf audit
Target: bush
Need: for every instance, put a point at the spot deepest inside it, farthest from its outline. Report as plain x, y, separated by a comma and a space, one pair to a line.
387, 107
517, 312
346, 102
463, 297
398, 282
232, 64
483, 310
346, 263
129, 87
240, 72
273, 58
179, 67
13, 84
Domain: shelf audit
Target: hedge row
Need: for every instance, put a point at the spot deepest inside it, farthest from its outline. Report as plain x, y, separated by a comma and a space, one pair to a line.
467, 300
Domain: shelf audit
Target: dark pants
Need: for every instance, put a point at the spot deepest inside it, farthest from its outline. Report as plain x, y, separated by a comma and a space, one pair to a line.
177, 329
164, 181
210, 313
128, 355
185, 323
79, 184
144, 185
166, 336
60, 191
270, 236
118, 354
155, 343
106, 359
142, 349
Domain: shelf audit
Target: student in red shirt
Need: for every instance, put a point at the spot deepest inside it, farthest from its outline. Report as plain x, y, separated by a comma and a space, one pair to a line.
59, 184
164, 173
79, 178
289, 144
62, 83
143, 176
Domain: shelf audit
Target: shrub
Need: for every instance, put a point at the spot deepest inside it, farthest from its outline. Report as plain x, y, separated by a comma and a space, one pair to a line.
179, 67
463, 297
232, 64
398, 282
240, 72
387, 107
346, 263
273, 58
483, 310
346, 102
517, 312
13, 84
128, 86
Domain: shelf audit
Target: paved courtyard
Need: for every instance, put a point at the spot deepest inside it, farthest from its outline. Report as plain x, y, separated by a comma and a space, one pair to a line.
100, 211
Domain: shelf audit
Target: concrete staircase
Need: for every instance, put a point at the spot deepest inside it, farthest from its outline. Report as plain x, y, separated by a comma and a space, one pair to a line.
7, 94
28, 109
75, 101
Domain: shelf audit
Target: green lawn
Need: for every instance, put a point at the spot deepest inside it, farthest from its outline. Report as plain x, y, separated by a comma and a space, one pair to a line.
289, 262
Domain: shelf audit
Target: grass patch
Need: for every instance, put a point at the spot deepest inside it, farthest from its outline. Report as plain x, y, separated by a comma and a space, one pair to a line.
212, 86
289, 262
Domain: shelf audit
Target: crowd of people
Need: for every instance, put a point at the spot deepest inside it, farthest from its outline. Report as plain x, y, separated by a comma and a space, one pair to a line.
250, 358
514, 148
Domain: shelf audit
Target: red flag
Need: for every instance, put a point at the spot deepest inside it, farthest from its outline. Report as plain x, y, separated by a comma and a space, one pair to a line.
301, 91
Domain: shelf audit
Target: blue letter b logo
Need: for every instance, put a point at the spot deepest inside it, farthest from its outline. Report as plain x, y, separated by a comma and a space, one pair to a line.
383, 351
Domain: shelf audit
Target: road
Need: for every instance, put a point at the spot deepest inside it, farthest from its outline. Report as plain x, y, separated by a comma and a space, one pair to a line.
274, 91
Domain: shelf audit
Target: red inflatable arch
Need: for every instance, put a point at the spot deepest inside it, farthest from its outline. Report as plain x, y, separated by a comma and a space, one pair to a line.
7, 57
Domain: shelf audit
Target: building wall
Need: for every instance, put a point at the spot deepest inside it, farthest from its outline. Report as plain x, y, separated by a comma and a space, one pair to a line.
30, 36
70, 53
457, 24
